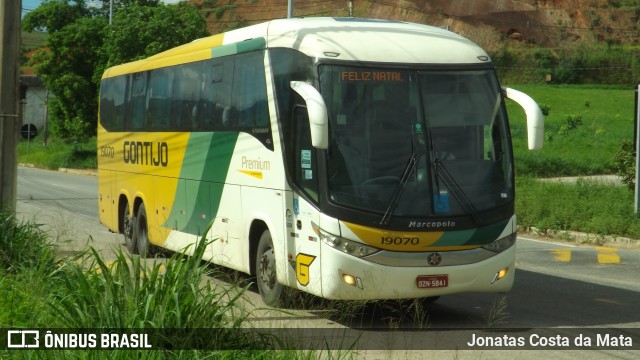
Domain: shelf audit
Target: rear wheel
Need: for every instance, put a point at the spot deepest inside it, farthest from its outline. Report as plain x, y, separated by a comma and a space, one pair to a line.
128, 222
271, 291
141, 233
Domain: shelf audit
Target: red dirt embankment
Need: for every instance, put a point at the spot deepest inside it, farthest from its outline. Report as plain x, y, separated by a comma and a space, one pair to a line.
542, 22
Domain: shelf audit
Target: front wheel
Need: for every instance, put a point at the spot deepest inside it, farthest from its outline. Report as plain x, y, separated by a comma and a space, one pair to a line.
271, 290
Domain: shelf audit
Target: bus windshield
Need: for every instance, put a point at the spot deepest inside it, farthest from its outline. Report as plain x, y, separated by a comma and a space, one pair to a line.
416, 143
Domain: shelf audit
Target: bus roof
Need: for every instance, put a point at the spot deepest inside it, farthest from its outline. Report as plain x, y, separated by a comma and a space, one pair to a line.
354, 39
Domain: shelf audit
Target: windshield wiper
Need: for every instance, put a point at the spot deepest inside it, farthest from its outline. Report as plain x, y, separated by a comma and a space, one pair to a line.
440, 171
395, 197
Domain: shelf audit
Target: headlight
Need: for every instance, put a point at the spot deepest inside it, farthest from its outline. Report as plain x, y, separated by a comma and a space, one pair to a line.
501, 245
347, 246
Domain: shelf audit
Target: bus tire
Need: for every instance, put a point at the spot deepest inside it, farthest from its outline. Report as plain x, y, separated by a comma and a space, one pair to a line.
141, 233
271, 291
128, 223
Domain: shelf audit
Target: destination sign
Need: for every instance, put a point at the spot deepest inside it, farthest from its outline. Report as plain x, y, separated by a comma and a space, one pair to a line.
372, 76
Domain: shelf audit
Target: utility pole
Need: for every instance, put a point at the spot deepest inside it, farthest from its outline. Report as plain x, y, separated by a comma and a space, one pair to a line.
637, 150
289, 9
9, 119
350, 7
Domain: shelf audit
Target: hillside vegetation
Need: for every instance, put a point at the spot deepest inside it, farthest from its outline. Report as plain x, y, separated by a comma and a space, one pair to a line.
549, 23
531, 41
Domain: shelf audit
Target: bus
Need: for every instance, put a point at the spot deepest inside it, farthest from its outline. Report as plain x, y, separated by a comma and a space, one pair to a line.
348, 158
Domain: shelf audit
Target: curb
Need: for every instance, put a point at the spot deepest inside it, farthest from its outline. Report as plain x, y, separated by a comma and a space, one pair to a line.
89, 172
580, 238
79, 171
601, 179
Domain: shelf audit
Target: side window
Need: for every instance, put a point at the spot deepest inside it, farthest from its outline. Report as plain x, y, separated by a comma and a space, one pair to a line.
216, 93
138, 100
249, 91
159, 95
186, 96
305, 162
113, 93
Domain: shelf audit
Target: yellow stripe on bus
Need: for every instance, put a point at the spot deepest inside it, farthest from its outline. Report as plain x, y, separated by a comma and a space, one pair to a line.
395, 240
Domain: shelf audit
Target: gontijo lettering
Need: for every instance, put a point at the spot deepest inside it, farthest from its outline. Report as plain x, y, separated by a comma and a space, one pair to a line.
146, 153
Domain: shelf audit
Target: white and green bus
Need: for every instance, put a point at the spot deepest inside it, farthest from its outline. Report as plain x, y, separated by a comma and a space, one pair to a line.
348, 158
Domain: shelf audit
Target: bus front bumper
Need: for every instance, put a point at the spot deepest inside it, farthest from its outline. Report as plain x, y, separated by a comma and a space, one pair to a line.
346, 277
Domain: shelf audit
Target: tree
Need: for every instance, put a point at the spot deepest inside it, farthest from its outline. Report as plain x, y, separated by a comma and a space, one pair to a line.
105, 8
71, 69
52, 15
139, 31
81, 45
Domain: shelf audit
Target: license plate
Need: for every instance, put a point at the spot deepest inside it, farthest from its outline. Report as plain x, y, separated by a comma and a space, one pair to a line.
432, 281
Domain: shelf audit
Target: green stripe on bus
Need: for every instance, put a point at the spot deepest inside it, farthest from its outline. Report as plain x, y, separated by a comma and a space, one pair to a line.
207, 157
239, 47
480, 236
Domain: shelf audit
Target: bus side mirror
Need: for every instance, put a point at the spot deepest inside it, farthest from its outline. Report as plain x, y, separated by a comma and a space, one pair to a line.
317, 109
535, 119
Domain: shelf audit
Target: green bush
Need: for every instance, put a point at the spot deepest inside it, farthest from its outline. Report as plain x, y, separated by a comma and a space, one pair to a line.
624, 163
81, 156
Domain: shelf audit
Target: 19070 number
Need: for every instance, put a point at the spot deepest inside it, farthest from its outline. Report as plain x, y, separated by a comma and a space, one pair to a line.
385, 240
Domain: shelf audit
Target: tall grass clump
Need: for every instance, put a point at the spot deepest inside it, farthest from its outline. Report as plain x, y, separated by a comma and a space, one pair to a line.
173, 301
128, 293
27, 259
23, 246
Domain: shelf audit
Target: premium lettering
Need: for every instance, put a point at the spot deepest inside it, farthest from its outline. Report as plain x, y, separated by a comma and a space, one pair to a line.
253, 164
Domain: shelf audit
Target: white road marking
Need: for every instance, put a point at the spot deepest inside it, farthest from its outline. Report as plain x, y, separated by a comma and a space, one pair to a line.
547, 242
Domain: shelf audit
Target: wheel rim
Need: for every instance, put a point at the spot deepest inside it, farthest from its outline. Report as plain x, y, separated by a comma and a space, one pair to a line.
142, 236
127, 227
267, 269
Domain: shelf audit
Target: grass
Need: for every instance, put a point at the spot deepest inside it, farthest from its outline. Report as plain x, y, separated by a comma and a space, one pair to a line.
58, 154
583, 131
586, 206
37, 290
33, 40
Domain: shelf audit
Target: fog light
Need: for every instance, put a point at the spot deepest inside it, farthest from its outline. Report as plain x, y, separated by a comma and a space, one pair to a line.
349, 279
500, 274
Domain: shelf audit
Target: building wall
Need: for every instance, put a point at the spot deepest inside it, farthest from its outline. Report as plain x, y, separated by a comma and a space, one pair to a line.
34, 107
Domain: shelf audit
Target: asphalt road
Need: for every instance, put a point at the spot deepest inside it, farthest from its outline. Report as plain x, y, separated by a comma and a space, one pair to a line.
66, 206
557, 284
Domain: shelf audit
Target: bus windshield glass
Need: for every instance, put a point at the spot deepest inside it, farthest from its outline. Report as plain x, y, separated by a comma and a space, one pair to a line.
416, 143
